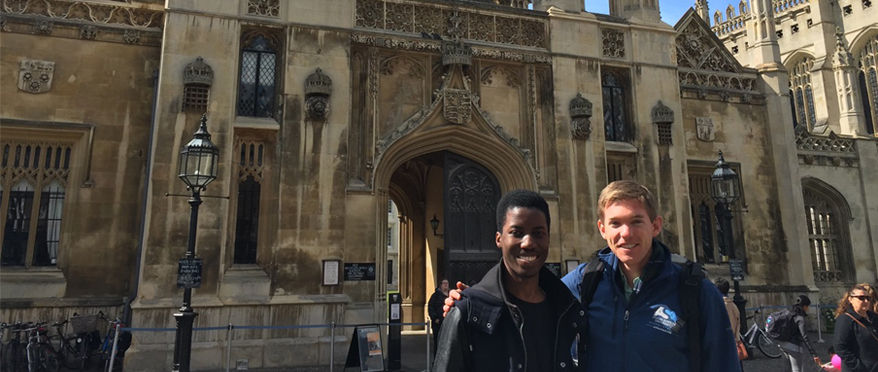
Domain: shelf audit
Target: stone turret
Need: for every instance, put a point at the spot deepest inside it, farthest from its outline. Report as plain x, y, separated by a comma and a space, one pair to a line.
644, 10
851, 119
573, 6
703, 10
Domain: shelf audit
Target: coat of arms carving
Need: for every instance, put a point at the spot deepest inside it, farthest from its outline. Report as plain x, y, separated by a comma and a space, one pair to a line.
456, 105
36, 76
704, 129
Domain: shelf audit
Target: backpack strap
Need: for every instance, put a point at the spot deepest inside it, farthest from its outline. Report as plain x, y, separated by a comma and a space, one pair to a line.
591, 277
690, 302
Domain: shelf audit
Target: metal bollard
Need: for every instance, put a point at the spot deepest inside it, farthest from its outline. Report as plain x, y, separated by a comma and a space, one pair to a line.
115, 346
819, 329
429, 331
331, 346
229, 347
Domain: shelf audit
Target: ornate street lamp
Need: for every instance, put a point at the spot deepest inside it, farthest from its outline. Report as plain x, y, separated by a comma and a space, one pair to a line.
198, 167
434, 223
726, 190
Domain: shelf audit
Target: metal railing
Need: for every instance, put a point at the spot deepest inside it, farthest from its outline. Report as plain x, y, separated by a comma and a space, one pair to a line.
230, 328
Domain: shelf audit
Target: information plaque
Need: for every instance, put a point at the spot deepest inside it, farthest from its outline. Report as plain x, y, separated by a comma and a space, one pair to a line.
736, 268
189, 273
359, 271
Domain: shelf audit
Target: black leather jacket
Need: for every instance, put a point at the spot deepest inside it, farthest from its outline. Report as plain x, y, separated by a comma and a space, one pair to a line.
482, 332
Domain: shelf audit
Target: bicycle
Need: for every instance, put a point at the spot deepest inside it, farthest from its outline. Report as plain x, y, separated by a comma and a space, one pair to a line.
41, 357
13, 355
757, 336
70, 349
112, 351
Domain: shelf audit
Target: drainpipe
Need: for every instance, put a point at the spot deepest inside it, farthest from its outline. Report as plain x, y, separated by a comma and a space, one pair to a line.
126, 311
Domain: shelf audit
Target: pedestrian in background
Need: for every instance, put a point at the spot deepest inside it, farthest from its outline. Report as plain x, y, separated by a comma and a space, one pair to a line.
856, 330
434, 309
794, 348
734, 315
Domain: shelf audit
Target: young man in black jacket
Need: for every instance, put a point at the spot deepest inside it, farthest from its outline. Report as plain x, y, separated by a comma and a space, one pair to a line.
520, 316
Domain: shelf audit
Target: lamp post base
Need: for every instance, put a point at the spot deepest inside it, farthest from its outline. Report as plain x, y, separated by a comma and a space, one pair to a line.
183, 341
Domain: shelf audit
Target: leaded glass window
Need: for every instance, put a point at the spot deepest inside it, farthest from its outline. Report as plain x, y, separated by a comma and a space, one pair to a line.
793, 109
615, 101
800, 80
869, 83
32, 220
251, 165
826, 238
258, 79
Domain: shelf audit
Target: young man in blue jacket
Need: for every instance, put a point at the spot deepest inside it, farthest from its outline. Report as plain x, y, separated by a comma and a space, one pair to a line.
634, 317
520, 316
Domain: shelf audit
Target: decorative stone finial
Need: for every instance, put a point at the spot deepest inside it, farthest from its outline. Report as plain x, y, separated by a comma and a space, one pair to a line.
318, 87
580, 114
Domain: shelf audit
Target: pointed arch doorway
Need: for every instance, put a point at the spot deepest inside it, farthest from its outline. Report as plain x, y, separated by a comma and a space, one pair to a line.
462, 195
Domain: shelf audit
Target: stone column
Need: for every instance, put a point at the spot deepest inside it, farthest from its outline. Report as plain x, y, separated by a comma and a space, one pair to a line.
851, 119
380, 300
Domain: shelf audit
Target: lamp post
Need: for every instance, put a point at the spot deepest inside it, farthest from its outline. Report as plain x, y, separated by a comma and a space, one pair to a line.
198, 166
726, 190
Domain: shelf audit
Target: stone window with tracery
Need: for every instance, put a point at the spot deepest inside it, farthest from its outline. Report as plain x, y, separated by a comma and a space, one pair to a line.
33, 184
617, 127
827, 237
802, 92
257, 84
250, 161
868, 80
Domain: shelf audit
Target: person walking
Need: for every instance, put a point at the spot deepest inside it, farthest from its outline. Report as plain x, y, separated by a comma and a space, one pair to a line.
794, 347
434, 309
856, 330
734, 315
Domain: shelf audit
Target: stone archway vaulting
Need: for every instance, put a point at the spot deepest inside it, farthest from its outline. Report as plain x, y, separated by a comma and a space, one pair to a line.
480, 140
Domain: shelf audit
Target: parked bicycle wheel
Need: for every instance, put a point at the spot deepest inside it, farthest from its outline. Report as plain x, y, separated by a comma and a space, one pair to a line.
48, 359
14, 357
768, 347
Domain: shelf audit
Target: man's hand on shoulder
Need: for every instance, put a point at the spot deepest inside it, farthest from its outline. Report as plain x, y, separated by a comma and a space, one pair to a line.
453, 295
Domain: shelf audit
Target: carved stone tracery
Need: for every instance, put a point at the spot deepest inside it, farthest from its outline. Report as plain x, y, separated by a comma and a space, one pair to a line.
435, 21
613, 42
266, 8
84, 11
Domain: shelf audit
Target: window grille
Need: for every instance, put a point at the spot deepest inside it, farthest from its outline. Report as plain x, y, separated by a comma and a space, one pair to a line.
257, 81
800, 80
32, 219
615, 103
195, 97
250, 168
868, 80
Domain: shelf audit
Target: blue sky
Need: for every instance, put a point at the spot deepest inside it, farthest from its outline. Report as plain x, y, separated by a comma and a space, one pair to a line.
671, 10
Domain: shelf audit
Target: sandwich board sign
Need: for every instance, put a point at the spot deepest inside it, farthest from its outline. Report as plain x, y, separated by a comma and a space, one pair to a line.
366, 351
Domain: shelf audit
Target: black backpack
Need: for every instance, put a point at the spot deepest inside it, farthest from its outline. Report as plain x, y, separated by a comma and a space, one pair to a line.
690, 299
781, 324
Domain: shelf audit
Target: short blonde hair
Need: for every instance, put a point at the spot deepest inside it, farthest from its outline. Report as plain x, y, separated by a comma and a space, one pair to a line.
627, 190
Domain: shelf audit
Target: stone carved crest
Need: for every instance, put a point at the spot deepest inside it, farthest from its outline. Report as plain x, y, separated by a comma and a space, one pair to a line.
88, 32
704, 129
457, 105
36, 76
580, 113
318, 88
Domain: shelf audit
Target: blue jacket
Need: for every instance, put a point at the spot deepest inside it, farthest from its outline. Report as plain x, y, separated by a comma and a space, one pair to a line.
643, 334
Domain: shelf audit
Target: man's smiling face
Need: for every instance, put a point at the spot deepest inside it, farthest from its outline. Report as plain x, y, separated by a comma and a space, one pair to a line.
629, 232
524, 242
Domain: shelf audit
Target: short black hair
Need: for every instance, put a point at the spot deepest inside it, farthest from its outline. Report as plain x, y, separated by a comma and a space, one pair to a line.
523, 199
723, 285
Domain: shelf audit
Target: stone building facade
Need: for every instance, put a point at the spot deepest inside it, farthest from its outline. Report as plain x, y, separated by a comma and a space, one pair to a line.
829, 52
349, 128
